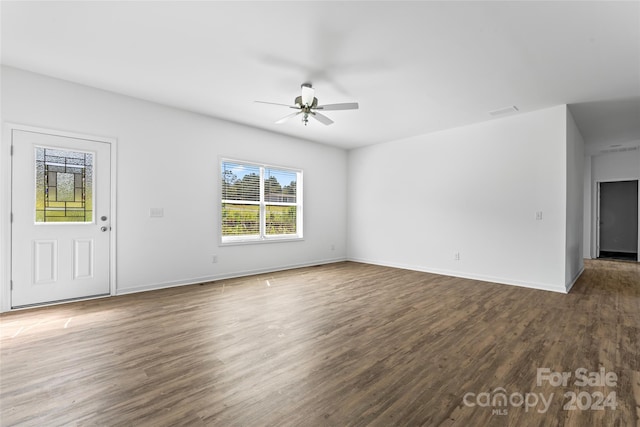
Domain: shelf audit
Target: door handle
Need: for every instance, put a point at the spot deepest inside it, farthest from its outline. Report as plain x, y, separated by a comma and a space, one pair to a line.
104, 228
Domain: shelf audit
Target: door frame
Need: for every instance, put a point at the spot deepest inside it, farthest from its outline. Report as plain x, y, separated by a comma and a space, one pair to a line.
596, 222
6, 207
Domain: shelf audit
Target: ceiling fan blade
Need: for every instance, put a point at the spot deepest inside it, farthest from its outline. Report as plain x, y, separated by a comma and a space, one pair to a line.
287, 117
307, 95
344, 106
275, 103
321, 118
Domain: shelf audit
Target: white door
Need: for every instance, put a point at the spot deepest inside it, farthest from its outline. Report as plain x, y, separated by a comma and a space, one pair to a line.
61, 193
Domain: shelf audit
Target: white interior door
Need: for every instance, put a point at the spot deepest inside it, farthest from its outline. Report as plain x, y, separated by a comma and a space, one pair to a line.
61, 218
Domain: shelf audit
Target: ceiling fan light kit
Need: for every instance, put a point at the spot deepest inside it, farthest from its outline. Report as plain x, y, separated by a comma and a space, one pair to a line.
307, 105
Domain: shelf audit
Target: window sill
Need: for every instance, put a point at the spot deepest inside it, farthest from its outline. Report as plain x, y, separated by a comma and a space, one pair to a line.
259, 241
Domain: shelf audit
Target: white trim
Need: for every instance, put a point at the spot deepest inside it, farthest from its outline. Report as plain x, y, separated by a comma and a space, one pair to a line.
113, 221
596, 217
6, 165
593, 243
252, 240
62, 133
225, 276
575, 279
5, 219
262, 237
597, 222
492, 279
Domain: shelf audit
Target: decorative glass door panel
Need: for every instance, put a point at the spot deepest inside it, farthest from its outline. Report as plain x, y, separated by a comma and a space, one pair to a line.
64, 185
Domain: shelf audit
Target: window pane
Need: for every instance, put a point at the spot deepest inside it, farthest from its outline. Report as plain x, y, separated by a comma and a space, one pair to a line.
240, 220
281, 219
259, 201
280, 185
64, 186
240, 182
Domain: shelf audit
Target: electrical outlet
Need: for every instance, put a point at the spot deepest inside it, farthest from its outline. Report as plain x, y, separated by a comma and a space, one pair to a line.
456, 256
214, 259
333, 247
539, 216
156, 212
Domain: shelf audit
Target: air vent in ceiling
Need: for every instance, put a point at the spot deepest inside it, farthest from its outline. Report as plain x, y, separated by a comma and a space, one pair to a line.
503, 111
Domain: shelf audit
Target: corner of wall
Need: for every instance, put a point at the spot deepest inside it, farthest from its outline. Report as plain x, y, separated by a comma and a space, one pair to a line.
574, 211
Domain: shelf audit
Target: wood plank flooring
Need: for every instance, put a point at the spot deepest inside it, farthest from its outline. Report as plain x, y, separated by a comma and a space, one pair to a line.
334, 345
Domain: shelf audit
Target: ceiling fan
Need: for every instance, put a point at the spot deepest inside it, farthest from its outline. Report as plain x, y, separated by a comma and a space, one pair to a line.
307, 105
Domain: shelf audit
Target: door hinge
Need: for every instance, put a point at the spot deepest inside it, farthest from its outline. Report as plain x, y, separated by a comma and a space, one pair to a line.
11, 151
11, 284
11, 217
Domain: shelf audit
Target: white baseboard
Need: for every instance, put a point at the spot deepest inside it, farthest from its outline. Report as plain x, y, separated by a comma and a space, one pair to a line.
574, 280
213, 278
244, 273
492, 279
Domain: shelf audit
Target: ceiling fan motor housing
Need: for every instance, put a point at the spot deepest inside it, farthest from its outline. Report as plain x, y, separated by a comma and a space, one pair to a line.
299, 102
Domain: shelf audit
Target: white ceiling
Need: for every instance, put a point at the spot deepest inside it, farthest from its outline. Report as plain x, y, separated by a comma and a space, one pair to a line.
414, 67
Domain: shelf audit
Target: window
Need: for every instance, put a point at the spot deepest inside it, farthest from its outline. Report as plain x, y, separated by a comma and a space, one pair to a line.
64, 186
260, 202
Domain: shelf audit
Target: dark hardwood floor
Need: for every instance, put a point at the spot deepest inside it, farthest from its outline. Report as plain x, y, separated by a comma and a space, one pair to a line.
340, 344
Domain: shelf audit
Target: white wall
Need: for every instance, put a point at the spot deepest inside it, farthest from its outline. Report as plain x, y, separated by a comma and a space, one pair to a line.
474, 190
413, 203
574, 262
609, 166
169, 158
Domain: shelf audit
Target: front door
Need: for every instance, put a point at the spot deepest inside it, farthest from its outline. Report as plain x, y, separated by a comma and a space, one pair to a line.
61, 193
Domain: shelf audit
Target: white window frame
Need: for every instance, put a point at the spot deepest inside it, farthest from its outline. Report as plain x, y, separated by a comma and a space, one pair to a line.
262, 236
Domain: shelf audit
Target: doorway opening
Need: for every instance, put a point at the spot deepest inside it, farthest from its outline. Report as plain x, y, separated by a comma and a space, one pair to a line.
618, 220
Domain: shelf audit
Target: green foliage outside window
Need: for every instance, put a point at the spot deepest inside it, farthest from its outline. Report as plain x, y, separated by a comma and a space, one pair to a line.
244, 200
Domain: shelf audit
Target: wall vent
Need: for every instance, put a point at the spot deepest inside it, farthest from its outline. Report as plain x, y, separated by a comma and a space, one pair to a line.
505, 110
618, 149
